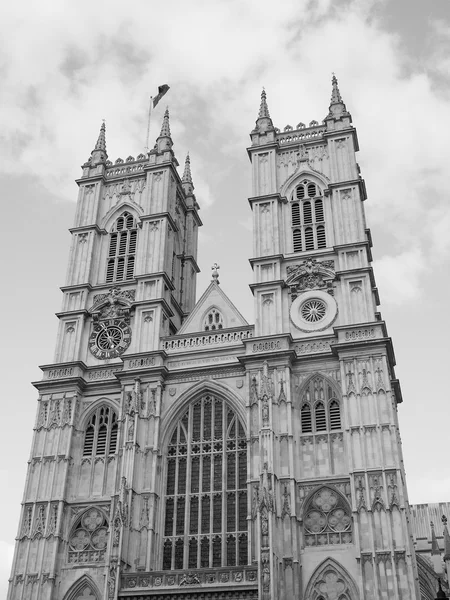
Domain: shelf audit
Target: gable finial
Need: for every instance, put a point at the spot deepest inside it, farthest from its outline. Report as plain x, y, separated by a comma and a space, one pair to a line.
215, 273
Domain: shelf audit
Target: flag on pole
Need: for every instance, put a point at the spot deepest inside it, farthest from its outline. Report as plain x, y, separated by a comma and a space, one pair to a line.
162, 89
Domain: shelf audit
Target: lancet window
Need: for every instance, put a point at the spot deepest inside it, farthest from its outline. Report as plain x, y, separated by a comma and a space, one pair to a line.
307, 217
122, 249
100, 437
206, 490
320, 408
213, 320
89, 538
327, 519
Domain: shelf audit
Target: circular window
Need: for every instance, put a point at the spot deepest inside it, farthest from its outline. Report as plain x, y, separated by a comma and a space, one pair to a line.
313, 311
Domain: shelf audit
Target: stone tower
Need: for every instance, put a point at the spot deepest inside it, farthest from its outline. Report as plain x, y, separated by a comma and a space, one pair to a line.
180, 452
339, 525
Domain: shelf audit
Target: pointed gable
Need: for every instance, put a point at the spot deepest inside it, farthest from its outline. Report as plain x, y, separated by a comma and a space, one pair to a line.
215, 311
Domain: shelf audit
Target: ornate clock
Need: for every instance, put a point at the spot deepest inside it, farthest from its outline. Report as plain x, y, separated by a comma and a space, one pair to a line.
111, 331
109, 338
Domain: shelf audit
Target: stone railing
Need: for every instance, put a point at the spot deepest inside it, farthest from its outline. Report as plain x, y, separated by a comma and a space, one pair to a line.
122, 170
194, 578
301, 135
206, 339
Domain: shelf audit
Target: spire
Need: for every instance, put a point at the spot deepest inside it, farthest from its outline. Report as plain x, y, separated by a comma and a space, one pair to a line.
101, 142
264, 123
164, 140
336, 97
337, 107
186, 180
187, 176
99, 154
434, 543
165, 129
263, 108
446, 539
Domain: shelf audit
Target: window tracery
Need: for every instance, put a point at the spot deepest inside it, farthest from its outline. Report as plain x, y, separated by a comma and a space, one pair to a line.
213, 320
206, 490
122, 249
327, 519
89, 538
307, 217
100, 437
320, 409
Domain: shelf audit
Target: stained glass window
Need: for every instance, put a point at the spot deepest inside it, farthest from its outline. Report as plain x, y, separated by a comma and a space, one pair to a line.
206, 489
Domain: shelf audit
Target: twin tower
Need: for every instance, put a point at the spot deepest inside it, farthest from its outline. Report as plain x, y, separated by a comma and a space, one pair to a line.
181, 453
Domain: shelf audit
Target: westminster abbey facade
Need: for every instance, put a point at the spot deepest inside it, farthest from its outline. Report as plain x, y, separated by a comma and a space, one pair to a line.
182, 453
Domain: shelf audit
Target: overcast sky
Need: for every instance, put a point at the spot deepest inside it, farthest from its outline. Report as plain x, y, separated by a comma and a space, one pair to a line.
65, 66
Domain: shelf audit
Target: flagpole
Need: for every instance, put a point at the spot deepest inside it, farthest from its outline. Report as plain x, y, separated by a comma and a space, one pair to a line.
148, 123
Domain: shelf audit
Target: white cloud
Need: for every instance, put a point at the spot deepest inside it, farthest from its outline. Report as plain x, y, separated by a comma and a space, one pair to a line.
398, 277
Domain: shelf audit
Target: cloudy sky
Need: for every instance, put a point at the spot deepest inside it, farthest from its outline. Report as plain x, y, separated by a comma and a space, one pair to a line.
65, 66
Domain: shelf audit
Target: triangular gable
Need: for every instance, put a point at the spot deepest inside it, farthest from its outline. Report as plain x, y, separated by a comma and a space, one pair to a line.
213, 298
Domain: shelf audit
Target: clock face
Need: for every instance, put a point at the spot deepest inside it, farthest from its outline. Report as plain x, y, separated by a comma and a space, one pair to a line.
109, 338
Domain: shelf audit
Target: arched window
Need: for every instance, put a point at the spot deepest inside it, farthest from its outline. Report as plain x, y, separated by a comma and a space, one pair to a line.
319, 399
89, 538
327, 519
308, 221
206, 489
213, 320
100, 437
122, 249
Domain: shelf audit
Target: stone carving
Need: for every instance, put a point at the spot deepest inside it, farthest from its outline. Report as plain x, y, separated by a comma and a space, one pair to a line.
112, 577
286, 510
364, 378
134, 399
380, 386
190, 579
310, 274
116, 303
360, 491
144, 518
43, 413
376, 488
350, 381
39, 525
53, 519
265, 571
121, 514
282, 396
392, 487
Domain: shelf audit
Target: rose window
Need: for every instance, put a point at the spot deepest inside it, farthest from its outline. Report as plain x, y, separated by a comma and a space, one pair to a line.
89, 538
313, 310
327, 519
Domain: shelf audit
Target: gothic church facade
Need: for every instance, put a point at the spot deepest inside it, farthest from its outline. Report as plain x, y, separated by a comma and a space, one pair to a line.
179, 452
